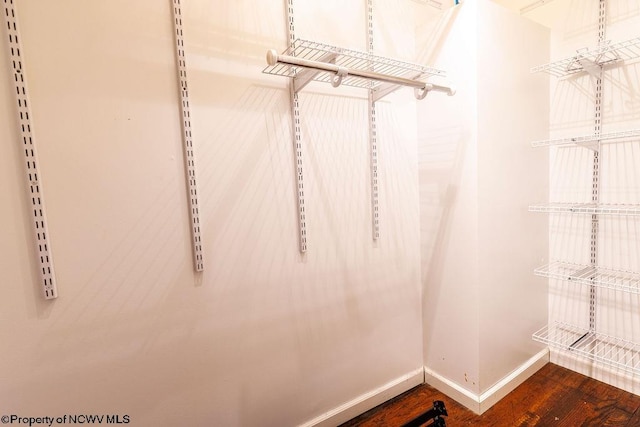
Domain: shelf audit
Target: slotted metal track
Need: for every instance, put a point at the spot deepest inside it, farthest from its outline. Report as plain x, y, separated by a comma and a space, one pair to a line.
194, 209
27, 141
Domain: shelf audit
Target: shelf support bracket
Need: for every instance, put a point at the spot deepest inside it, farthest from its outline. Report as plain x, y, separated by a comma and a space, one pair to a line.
591, 145
388, 88
590, 67
305, 76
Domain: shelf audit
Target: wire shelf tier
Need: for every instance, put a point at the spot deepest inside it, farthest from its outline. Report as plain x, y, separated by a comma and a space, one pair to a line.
604, 54
351, 59
587, 139
619, 280
587, 208
437, 4
606, 350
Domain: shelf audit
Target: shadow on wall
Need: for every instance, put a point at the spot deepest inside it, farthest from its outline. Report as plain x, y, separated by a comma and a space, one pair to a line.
585, 21
622, 95
248, 185
238, 30
573, 100
440, 170
572, 104
242, 165
440, 156
136, 322
134, 316
432, 34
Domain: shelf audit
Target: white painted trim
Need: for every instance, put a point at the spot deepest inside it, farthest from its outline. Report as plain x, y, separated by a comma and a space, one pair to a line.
363, 403
452, 389
477, 403
480, 403
513, 380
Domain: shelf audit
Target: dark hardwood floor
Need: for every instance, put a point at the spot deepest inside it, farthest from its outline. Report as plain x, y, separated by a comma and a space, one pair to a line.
553, 396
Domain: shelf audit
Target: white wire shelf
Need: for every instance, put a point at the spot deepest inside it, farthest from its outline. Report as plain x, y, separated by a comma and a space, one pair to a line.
585, 140
619, 280
305, 61
586, 59
587, 208
603, 349
534, 5
437, 4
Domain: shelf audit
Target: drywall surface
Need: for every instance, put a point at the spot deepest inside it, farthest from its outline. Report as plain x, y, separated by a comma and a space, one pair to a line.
448, 167
572, 113
264, 336
512, 111
477, 176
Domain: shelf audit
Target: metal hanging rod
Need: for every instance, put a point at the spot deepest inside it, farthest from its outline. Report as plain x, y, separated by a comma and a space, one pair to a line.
421, 88
360, 74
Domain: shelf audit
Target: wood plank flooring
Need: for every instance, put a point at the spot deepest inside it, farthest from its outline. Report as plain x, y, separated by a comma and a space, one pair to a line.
553, 396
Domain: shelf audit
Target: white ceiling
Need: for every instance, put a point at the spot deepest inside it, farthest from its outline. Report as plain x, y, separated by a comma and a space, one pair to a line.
545, 12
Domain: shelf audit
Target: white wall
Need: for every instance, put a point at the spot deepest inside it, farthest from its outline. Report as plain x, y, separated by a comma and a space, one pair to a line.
512, 111
448, 144
264, 336
477, 176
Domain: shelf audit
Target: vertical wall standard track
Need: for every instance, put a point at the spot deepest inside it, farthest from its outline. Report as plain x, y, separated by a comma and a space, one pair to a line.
194, 210
34, 178
373, 137
595, 180
297, 139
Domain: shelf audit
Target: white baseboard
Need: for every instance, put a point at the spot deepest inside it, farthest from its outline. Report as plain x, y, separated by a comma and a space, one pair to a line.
477, 403
363, 403
451, 389
482, 402
513, 380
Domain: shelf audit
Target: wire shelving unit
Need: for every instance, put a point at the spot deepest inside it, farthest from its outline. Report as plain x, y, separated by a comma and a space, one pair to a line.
306, 61
606, 350
589, 60
587, 208
589, 342
589, 275
586, 140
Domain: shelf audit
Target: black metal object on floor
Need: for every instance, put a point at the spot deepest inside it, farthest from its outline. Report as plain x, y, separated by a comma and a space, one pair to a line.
436, 413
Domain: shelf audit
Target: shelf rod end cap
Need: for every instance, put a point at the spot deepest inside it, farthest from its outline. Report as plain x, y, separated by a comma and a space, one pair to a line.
272, 57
